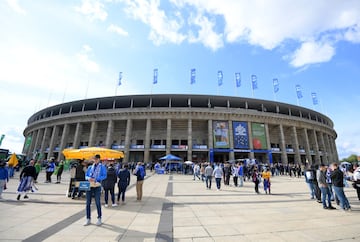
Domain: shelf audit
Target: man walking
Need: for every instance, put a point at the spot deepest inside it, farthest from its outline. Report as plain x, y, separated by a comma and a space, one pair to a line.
139, 172
208, 175
95, 174
337, 178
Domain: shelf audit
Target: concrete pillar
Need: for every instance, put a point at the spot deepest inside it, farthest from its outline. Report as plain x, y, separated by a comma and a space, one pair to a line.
317, 155
231, 141
284, 158
307, 147
34, 136
37, 141
42, 148
329, 153
129, 125
189, 138
147, 141
296, 149
268, 144
210, 134
251, 145
109, 134
334, 149
53, 137
168, 137
63, 140
92, 133
77, 135
323, 148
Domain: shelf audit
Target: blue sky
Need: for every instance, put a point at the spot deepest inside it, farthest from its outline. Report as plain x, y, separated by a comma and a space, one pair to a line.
59, 51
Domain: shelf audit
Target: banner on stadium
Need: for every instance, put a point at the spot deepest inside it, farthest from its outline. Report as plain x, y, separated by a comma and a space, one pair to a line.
221, 134
241, 135
258, 136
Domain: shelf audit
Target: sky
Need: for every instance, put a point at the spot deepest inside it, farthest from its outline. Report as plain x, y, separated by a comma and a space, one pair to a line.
59, 51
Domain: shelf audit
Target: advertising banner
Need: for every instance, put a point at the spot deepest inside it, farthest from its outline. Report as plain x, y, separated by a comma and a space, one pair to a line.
259, 136
241, 135
221, 134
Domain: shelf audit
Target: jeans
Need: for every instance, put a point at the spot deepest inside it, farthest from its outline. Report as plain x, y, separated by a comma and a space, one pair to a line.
235, 179
241, 180
344, 203
208, 181
94, 191
325, 195
218, 182
312, 189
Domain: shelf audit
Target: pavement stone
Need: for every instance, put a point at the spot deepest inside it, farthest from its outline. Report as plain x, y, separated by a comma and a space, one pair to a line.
177, 208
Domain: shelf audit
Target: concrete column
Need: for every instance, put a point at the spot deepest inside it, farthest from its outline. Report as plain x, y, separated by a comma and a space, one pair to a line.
30, 150
168, 136
252, 155
268, 144
92, 133
210, 135
231, 141
129, 125
109, 134
323, 148
328, 149
317, 155
296, 142
307, 147
77, 135
42, 148
63, 140
334, 149
147, 141
190, 144
53, 137
37, 141
284, 158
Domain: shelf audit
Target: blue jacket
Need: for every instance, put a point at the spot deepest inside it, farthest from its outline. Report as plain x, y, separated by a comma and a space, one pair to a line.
102, 173
4, 175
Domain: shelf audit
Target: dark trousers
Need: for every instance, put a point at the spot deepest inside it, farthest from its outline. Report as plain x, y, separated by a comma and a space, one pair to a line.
208, 181
235, 179
122, 190
218, 183
48, 176
257, 186
106, 197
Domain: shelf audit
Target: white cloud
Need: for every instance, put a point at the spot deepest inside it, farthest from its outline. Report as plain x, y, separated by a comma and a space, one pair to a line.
118, 30
206, 34
14, 5
84, 60
311, 53
163, 29
268, 24
94, 9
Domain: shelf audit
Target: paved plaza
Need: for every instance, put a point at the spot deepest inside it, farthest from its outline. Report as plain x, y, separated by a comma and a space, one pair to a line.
177, 208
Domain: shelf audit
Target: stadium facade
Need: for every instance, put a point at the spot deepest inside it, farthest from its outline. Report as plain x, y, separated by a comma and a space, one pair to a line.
193, 127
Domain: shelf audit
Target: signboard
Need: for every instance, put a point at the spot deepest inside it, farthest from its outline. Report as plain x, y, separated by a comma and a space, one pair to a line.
241, 135
259, 136
221, 134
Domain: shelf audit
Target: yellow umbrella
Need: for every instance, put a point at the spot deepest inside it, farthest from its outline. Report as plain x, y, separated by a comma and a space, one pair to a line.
90, 152
13, 161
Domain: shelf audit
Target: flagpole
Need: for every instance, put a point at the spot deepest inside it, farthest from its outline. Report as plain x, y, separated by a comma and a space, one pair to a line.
87, 87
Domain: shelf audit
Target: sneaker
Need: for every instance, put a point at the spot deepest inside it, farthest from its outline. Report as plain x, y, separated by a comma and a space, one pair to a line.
106, 205
331, 207
114, 205
98, 223
26, 197
18, 197
87, 222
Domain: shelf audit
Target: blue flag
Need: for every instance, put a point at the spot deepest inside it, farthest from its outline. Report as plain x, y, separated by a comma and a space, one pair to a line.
314, 98
155, 76
193, 75
220, 78
254, 82
238, 79
120, 78
298, 91
276, 85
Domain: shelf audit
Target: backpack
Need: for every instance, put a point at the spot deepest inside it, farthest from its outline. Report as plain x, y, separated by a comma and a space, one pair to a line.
254, 177
141, 172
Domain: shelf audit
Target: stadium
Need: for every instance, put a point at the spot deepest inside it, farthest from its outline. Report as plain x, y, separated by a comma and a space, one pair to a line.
193, 127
